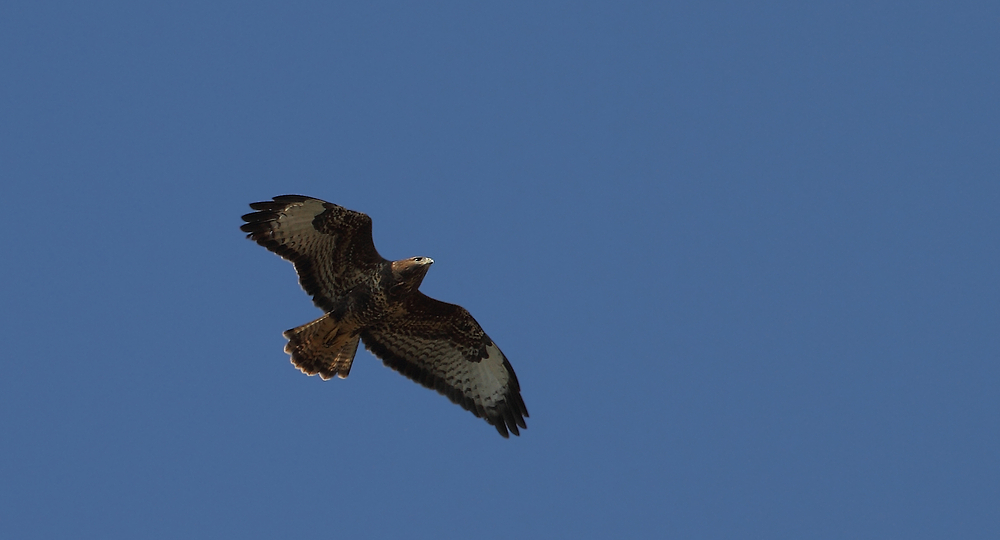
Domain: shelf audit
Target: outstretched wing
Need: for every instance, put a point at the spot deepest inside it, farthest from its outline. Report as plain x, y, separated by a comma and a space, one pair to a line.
330, 246
441, 346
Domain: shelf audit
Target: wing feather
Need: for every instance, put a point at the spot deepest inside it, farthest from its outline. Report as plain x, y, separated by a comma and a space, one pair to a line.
330, 246
442, 347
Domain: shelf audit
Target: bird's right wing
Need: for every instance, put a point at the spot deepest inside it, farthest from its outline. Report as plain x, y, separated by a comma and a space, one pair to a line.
330, 246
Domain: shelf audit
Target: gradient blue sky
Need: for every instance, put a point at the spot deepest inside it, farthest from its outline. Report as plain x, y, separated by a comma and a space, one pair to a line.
744, 259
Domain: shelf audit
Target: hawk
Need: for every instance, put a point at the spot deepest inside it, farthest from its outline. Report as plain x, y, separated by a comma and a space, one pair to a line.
370, 299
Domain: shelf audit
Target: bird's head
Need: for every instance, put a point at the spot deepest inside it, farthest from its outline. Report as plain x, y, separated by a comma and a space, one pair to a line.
410, 272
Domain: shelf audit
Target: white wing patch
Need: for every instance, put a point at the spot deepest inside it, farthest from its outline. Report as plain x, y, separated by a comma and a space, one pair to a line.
294, 225
491, 376
483, 387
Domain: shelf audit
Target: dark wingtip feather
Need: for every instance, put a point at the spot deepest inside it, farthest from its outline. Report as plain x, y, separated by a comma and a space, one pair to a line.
291, 198
277, 203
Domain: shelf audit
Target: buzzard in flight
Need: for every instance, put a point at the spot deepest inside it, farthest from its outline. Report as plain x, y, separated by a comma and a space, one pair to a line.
370, 299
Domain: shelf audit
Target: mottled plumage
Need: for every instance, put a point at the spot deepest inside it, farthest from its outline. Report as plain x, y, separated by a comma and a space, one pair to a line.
377, 301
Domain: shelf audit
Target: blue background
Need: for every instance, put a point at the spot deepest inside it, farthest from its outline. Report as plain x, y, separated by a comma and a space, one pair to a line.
744, 260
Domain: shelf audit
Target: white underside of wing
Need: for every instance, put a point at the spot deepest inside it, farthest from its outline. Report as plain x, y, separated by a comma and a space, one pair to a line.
298, 217
483, 381
491, 376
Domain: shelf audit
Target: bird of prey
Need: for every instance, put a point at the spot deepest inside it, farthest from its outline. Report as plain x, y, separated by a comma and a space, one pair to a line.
371, 299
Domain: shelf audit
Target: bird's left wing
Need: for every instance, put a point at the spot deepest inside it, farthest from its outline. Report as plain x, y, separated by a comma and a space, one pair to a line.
442, 347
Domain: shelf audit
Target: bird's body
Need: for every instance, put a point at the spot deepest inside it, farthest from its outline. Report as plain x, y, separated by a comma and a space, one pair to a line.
370, 299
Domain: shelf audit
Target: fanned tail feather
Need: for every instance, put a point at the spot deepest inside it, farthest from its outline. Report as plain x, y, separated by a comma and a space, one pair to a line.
323, 347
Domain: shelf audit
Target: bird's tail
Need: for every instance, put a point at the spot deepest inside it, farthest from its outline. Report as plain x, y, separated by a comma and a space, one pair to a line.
323, 347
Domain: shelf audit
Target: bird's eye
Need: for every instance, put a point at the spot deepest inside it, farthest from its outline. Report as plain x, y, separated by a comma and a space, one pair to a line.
418, 259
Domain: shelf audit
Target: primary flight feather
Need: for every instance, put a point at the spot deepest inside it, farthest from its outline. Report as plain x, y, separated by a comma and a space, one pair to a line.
370, 299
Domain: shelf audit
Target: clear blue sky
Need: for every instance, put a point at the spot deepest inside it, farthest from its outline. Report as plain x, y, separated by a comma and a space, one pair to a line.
744, 260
